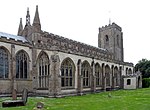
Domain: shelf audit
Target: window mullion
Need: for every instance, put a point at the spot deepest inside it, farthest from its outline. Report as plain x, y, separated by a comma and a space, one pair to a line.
23, 67
18, 67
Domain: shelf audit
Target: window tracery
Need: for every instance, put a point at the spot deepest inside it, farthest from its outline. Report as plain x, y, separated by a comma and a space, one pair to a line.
67, 74
21, 65
4, 63
107, 75
43, 71
85, 71
98, 75
116, 75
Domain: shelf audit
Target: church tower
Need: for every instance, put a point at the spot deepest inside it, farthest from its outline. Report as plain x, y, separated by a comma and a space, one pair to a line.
111, 38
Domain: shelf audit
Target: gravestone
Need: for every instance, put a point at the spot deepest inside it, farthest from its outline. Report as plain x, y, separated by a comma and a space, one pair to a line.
14, 94
14, 103
25, 96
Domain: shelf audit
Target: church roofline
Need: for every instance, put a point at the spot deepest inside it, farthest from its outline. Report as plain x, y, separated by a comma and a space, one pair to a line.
74, 41
11, 36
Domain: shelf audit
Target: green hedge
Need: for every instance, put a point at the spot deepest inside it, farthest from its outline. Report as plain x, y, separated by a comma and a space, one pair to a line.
146, 82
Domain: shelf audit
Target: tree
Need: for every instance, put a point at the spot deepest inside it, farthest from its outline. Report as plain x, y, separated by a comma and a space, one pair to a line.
144, 67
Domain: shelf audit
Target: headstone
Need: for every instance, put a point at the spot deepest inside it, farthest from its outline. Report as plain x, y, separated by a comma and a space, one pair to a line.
14, 103
25, 95
14, 94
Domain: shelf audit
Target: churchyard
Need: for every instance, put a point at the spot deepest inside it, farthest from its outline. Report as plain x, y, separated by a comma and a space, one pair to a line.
111, 100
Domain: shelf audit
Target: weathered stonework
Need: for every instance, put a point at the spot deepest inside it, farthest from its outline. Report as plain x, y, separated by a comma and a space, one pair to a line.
48, 75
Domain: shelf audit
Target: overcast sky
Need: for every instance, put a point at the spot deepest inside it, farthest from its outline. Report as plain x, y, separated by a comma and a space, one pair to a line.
80, 19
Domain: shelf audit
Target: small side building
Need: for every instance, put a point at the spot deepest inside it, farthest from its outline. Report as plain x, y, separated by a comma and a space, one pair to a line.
132, 81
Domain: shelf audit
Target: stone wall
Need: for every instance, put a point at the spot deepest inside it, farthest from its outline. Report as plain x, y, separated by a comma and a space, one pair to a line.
132, 84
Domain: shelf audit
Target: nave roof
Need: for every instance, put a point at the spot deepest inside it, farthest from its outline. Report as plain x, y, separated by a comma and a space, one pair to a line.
11, 36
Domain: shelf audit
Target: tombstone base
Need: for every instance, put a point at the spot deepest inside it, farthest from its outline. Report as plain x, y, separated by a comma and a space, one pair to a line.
13, 103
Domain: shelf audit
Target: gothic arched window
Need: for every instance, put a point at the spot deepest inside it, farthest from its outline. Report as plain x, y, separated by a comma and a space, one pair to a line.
67, 73
116, 75
129, 71
85, 71
4, 63
107, 75
21, 65
43, 71
98, 74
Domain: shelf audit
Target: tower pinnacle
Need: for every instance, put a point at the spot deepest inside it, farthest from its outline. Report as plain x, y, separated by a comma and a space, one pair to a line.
36, 21
28, 18
20, 29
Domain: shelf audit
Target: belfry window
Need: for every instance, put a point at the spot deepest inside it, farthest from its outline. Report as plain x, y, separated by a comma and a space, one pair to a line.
21, 65
43, 71
106, 39
67, 74
4, 63
117, 40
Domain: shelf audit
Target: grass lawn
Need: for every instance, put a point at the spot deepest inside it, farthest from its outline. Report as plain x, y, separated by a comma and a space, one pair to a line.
120, 100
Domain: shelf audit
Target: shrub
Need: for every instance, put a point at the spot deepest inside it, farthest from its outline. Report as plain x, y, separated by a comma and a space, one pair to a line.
146, 82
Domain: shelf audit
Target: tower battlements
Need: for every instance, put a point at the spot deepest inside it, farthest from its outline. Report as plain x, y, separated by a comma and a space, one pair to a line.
113, 25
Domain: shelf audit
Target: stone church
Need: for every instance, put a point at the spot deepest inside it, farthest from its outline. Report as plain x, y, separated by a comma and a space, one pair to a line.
51, 65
